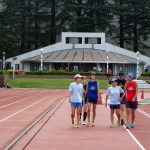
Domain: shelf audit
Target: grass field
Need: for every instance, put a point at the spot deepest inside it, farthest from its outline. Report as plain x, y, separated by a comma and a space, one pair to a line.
47, 83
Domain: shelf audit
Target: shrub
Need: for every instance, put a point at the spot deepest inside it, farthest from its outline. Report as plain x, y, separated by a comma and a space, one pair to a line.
146, 74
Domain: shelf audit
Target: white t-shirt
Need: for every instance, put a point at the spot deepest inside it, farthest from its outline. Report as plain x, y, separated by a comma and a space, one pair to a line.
114, 93
76, 92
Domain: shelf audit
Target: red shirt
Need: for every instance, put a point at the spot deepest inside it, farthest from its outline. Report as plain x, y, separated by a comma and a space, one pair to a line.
130, 90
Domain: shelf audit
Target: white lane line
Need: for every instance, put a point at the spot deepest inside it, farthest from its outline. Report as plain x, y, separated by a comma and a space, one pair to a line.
21, 94
2, 120
7, 98
15, 102
132, 136
143, 112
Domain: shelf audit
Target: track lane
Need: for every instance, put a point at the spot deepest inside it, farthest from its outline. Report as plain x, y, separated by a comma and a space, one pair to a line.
14, 124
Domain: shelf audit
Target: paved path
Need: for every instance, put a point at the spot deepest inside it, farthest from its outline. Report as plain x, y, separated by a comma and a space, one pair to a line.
57, 134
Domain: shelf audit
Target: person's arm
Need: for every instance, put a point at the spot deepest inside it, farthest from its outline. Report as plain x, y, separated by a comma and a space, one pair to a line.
98, 90
121, 91
106, 99
70, 93
86, 91
125, 87
136, 94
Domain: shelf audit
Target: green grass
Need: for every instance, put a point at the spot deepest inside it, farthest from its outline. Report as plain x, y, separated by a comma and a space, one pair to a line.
47, 83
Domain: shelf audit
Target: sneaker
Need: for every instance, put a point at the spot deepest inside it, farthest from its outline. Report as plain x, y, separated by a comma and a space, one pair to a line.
73, 125
93, 125
118, 122
77, 126
122, 122
88, 124
83, 122
132, 126
80, 121
111, 126
128, 126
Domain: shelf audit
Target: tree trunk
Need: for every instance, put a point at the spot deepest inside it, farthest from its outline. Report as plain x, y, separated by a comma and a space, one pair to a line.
53, 23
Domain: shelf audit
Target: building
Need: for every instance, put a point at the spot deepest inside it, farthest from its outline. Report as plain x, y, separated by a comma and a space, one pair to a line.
81, 52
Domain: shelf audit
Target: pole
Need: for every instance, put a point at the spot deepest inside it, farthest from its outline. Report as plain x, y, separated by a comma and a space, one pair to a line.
4, 61
14, 58
107, 61
41, 59
137, 68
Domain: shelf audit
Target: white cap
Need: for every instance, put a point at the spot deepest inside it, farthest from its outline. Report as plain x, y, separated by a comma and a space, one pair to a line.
77, 76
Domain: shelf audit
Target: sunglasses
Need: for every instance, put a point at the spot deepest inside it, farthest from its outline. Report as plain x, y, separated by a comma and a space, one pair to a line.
114, 81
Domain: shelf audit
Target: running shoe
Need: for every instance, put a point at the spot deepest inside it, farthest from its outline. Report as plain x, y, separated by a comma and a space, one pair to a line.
93, 125
73, 125
122, 122
128, 126
111, 126
83, 122
132, 126
88, 124
77, 126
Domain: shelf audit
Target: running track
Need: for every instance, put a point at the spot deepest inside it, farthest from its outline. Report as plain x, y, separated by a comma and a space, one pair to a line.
19, 108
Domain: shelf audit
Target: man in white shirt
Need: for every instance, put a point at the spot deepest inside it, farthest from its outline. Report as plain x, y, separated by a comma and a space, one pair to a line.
75, 98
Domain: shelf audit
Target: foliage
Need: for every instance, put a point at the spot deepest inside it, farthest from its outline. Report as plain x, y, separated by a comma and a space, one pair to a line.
62, 72
146, 74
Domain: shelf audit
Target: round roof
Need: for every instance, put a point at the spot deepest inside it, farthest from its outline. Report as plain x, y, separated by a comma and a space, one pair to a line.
82, 56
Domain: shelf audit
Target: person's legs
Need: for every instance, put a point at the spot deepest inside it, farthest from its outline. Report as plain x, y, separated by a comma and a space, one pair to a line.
118, 116
134, 107
128, 118
73, 114
123, 113
88, 113
78, 115
112, 117
132, 117
94, 113
85, 108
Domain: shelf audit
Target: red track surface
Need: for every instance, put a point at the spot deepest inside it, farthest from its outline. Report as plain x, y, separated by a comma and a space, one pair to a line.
20, 107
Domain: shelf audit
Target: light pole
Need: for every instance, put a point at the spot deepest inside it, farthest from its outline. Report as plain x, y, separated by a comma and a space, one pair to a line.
14, 58
107, 61
137, 68
41, 59
4, 61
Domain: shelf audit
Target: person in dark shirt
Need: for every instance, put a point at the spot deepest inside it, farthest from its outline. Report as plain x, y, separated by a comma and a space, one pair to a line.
121, 82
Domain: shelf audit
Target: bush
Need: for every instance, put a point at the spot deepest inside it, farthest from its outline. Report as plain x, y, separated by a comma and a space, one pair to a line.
146, 74
62, 72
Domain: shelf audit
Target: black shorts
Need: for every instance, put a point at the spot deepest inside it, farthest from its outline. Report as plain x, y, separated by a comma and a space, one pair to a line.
117, 106
92, 101
132, 105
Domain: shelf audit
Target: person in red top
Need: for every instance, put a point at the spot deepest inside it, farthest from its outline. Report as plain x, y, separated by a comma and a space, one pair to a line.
131, 91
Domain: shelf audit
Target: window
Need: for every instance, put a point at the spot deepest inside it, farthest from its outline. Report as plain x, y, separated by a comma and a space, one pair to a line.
67, 40
86, 41
80, 40
98, 40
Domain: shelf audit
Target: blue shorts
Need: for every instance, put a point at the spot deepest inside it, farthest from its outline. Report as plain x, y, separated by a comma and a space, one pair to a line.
117, 106
76, 104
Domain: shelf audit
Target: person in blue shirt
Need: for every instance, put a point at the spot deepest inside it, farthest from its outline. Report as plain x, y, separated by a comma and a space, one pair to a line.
75, 98
92, 97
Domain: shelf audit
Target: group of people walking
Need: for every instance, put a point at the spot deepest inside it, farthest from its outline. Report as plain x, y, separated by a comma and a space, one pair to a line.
122, 95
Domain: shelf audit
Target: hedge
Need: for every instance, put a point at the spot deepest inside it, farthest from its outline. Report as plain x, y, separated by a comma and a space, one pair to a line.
146, 74
61, 72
